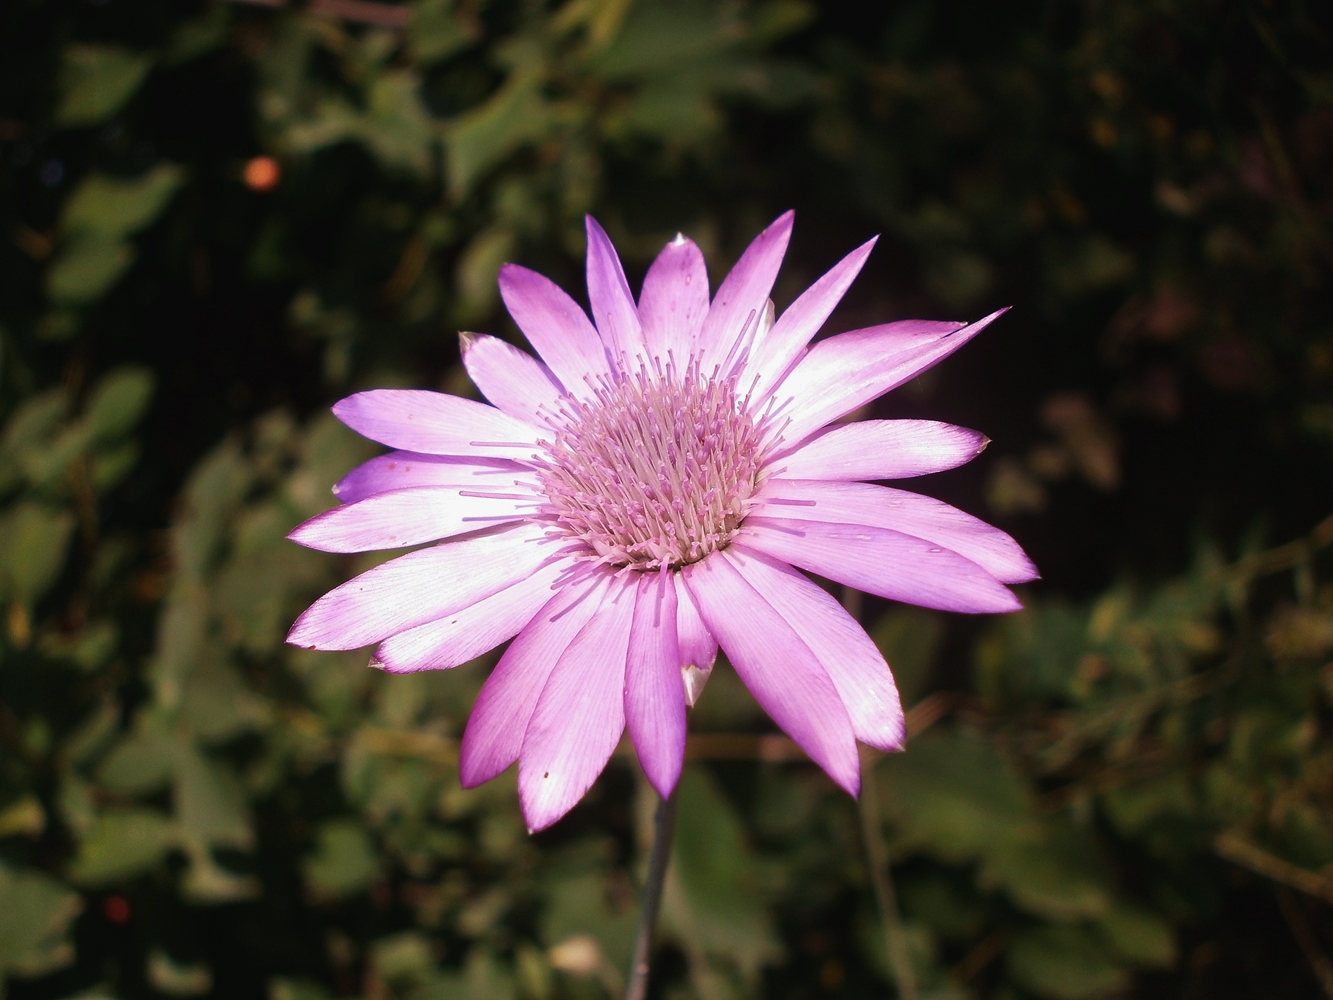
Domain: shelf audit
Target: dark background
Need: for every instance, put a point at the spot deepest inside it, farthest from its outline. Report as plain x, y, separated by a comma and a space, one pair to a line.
215, 220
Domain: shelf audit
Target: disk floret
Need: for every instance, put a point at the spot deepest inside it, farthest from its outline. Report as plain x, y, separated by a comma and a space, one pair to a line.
655, 470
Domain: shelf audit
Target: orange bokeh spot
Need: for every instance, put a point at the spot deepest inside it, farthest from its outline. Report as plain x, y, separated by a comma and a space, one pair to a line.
262, 173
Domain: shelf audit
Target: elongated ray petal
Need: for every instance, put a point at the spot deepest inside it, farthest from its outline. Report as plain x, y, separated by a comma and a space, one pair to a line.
881, 562
910, 513
779, 668
402, 469
802, 319
410, 517
421, 587
743, 294
854, 664
513, 380
580, 714
846, 371
612, 302
654, 694
495, 729
556, 328
674, 301
881, 449
466, 634
436, 423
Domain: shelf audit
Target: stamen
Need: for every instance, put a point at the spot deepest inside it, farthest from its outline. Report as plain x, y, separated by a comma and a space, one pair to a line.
656, 470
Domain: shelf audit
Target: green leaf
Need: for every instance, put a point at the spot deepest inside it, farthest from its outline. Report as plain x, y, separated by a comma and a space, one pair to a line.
33, 542
1139, 936
96, 81
1063, 963
955, 796
118, 401
210, 802
718, 907
177, 979
118, 206
35, 914
344, 862
436, 32
516, 116
121, 844
909, 638
86, 268
142, 762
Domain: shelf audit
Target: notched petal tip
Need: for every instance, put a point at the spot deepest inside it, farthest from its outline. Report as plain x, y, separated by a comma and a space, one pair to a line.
466, 341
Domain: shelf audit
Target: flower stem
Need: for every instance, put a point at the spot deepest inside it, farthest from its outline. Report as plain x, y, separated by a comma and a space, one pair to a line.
895, 939
877, 860
663, 825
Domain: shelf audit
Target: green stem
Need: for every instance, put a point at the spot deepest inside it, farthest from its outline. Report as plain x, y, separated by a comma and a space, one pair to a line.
652, 897
895, 938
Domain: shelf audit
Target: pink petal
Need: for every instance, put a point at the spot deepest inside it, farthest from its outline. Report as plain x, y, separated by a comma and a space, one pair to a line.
854, 664
513, 380
654, 693
781, 671
674, 301
792, 332
410, 517
421, 587
401, 469
612, 302
556, 328
697, 647
739, 303
466, 634
498, 721
909, 513
843, 372
580, 714
882, 449
882, 562
436, 423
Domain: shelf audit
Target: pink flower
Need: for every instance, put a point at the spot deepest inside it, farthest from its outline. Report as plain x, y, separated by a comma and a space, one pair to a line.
639, 497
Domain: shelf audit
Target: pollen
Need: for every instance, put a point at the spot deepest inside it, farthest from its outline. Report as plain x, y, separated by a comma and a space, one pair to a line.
656, 470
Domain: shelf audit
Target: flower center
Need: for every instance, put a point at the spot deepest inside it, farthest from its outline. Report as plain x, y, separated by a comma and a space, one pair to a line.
655, 470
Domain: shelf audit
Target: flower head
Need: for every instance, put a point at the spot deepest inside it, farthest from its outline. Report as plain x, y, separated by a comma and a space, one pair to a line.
643, 494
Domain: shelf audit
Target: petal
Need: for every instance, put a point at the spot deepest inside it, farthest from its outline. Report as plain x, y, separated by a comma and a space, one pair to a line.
466, 634
843, 372
774, 354
654, 691
556, 328
909, 513
740, 300
400, 469
882, 449
580, 714
410, 517
513, 380
612, 302
781, 671
499, 719
854, 664
696, 645
436, 423
882, 562
421, 587
674, 301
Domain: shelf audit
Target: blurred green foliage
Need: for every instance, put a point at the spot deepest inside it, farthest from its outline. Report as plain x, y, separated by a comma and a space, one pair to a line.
218, 218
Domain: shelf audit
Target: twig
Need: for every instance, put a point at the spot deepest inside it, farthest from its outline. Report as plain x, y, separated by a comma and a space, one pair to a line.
382, 15
1261, 862
895, 939
1300, 929
652, 898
